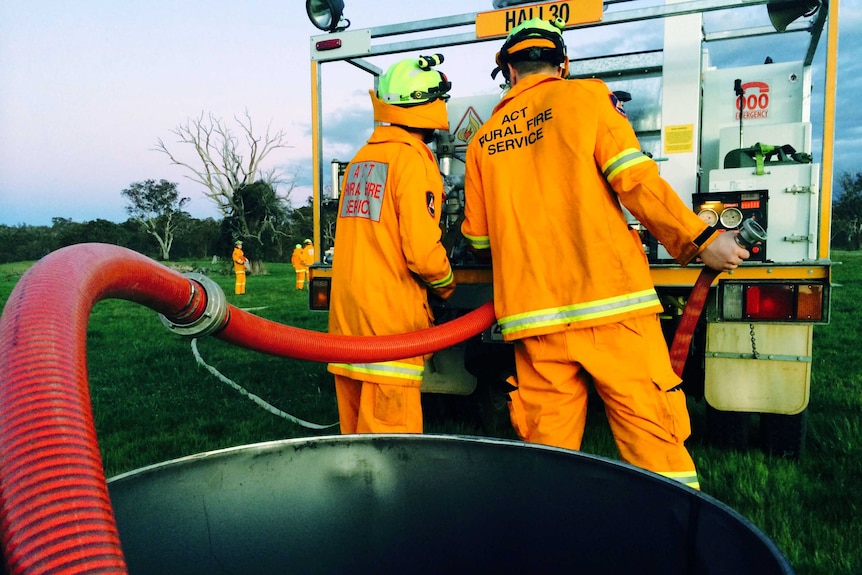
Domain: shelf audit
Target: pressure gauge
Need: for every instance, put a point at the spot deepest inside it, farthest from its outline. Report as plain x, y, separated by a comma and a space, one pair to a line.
731, 218
709, 216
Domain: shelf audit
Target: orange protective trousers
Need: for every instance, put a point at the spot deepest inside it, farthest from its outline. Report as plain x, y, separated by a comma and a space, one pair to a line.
239, 260
301, 277
367, 407
239, 288
629, 365
300, 268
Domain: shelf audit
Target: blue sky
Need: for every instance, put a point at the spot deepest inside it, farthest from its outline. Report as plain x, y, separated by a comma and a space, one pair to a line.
87, 88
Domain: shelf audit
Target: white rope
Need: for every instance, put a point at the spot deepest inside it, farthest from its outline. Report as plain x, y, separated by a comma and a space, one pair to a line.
260, 402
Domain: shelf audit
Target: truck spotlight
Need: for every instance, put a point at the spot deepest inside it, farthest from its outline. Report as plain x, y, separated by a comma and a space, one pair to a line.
781, 13
326, 14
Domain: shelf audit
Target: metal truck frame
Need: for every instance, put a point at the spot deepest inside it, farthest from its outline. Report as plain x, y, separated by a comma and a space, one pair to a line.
734, 143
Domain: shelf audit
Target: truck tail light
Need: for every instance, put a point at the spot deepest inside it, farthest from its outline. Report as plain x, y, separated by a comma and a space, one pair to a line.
318, 293
773, 301
810, 302
768, 302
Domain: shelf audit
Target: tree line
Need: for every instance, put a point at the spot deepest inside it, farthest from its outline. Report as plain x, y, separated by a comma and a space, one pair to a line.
847, 213
198, 239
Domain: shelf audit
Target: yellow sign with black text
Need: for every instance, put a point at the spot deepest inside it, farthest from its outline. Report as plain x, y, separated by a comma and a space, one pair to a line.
679, 139
501, 22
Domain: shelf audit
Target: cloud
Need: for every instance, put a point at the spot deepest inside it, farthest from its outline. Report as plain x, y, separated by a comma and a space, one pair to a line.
848, 116
89, 87
346, 131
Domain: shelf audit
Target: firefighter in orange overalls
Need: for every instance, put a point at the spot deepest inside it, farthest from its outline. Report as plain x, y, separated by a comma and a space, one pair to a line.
299, 267
307, 255
546, 176
239, 262
389, 252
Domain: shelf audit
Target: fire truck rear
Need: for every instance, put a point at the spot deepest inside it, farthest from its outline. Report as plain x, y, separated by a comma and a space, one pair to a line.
736, 143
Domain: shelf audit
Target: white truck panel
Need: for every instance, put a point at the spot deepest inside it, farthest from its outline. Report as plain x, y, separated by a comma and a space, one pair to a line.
794, 201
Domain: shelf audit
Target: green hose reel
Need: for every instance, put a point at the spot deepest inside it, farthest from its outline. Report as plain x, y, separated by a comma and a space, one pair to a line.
759, 156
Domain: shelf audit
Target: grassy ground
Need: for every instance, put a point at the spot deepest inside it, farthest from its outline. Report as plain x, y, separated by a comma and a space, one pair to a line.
153, 402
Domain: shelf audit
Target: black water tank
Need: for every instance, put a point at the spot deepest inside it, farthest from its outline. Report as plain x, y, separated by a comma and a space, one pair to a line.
388, 504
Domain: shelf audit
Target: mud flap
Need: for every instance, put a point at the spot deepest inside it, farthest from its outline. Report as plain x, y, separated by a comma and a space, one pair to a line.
777, 380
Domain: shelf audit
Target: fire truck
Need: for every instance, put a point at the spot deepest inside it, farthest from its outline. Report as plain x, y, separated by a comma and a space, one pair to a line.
736, 142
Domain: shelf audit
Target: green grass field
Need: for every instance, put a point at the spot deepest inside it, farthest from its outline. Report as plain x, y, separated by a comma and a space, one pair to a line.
152, 402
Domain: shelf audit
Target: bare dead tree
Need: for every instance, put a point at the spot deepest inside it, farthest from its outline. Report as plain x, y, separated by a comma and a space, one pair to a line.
329, 229
227, 163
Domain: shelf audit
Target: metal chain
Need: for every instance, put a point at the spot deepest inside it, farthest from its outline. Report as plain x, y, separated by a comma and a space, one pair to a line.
753, 342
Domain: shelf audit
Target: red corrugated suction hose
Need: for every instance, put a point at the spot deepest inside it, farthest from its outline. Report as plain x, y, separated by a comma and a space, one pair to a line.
55, 510
749, 235
691, 314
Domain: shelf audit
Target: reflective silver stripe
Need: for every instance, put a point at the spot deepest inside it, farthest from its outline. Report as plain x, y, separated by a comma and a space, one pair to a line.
579, 312
443, 282
685, 477
389, 369
479, 242
622, 161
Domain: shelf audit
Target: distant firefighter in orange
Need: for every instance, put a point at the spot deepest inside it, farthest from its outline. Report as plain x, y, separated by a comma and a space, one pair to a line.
239, 263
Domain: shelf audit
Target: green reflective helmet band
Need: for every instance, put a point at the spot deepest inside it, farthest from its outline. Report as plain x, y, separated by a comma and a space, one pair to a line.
413, 81
535, 24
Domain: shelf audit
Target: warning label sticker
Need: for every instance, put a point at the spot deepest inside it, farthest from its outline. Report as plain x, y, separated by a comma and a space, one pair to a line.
679, 139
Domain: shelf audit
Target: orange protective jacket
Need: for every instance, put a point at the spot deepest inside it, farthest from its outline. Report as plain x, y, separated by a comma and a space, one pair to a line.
389, 250
238, 260
296, 259
546, 174
307, 257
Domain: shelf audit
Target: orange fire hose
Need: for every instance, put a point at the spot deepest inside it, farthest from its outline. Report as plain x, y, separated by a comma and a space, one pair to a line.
55, 510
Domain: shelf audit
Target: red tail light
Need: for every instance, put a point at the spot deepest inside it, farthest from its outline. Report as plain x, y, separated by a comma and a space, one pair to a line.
329, 44
774, 301
318, 293
769, 302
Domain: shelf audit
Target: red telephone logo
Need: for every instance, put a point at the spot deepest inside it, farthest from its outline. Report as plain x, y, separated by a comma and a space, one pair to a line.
755, 100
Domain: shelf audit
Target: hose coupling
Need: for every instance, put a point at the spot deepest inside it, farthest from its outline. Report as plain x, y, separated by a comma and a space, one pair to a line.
214, 316
750, 234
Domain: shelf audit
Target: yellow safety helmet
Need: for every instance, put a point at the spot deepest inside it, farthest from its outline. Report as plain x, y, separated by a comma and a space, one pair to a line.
411, 93
412, 82
298, 246
307, 241
534, 40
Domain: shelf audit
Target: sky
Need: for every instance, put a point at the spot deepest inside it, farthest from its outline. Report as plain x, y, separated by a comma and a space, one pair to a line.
88, 88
